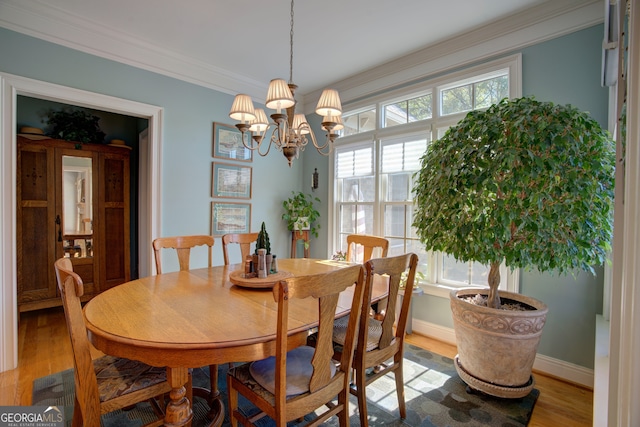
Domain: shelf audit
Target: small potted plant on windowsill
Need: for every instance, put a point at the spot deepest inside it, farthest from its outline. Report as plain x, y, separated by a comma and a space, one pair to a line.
300, 213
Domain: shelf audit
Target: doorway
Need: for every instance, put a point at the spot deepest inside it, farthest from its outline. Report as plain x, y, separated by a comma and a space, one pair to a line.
149, 209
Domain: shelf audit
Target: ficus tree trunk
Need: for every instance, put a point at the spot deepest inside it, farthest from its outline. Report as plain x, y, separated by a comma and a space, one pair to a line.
493, 300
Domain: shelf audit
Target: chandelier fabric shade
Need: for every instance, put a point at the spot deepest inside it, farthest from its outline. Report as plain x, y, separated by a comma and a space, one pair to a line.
288, 131
279, 96
329, 103
242, 108
260, 123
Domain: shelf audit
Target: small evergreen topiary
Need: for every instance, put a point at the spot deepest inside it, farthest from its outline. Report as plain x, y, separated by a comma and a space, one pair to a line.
263, 240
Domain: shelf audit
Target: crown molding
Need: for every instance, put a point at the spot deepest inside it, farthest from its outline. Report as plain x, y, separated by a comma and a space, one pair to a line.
48, 23
544, 22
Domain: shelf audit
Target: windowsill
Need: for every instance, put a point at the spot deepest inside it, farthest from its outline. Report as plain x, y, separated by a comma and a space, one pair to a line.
439, 290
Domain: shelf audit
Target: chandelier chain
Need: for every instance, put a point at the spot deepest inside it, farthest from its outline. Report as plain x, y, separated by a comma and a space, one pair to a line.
291, 47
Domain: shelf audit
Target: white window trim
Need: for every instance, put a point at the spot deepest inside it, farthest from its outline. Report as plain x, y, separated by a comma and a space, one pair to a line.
510, 279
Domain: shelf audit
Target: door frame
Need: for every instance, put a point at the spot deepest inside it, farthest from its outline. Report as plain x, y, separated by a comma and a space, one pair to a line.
10, 87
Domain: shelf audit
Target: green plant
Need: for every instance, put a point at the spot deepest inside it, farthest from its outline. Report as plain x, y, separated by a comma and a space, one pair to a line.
300, 205
75, 125
403, 279
339, 256
263, 240
526, 183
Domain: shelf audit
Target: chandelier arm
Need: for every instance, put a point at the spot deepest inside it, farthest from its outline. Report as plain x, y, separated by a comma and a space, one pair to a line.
258, 139
249, 147
314, 141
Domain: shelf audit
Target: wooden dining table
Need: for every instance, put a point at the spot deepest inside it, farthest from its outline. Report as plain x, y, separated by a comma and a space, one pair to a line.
189, 319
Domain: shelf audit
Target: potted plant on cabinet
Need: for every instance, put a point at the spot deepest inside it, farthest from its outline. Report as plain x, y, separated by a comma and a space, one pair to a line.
524, 183
300, 213
75, 125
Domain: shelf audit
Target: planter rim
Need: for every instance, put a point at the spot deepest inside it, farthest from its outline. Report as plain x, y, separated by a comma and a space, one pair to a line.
539, 306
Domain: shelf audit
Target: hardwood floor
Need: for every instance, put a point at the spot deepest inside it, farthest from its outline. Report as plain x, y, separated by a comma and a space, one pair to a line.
44, 348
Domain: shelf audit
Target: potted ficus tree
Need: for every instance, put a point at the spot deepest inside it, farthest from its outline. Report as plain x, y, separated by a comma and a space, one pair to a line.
300, 213
527, 184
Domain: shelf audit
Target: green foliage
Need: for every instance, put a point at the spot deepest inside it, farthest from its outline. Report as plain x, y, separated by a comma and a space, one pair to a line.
300, 205
263, 240
525, 182
75, 125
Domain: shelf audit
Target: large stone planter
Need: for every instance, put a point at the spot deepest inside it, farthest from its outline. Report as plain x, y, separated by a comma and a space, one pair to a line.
497, 348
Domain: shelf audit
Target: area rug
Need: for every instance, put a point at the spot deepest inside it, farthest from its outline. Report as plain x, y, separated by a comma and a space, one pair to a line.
435, 396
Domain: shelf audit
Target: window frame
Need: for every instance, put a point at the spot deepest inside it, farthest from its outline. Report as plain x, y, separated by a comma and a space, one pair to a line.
432, 284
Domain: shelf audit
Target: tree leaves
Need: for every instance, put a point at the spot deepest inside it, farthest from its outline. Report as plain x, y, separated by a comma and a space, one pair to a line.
527, 182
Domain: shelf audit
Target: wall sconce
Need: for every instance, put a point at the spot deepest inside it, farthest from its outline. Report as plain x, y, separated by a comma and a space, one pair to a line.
314, 179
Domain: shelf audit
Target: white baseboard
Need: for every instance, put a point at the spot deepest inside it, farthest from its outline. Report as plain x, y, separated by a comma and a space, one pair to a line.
543, 364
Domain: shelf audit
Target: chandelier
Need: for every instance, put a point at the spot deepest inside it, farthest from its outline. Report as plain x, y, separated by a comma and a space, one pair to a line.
288, 131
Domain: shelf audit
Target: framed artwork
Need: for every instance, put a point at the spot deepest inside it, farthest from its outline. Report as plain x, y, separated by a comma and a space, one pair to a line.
227, 143
230, 218
231, 181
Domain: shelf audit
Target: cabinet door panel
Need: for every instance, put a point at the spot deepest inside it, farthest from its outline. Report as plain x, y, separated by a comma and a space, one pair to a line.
114, 190
35, 224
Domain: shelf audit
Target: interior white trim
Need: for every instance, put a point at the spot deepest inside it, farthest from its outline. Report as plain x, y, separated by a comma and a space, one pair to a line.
545, 22
624, 379
542, 22
10, 87
46, 22
543, 364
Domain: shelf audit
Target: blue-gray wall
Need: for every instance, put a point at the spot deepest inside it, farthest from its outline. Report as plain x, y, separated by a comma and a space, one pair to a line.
563, 70
189, 113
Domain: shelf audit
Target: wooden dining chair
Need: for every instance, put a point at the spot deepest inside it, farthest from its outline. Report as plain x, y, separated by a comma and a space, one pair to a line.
107, 383
378, 342
244, 240
183, 246
368, 243
295, 383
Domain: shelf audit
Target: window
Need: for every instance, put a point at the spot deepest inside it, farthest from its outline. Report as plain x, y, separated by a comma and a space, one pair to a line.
374, 173
399, 161
355, 175
358, 122
407, 111
474, 95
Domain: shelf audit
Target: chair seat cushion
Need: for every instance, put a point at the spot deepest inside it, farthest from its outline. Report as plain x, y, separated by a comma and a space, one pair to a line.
373, 337
299, 370
118, 376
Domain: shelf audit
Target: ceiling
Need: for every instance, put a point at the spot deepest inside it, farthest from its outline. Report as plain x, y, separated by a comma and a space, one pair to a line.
239, 45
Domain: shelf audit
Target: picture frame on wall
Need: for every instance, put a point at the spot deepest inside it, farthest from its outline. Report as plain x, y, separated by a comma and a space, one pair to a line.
231, 181
227, 143
230, 218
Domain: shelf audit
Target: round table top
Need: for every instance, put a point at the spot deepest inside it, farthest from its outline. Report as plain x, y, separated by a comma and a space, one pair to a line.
198, 317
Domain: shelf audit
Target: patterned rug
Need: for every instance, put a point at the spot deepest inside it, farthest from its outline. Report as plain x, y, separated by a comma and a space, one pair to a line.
435, 396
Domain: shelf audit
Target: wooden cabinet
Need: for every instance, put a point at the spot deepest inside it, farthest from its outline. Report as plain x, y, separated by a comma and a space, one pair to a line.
73, 203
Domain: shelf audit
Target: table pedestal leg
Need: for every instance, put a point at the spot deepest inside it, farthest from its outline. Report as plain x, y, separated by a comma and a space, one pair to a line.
178, 411
216, 408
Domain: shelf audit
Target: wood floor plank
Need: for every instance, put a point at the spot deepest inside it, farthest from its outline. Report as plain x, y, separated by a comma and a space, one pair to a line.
44, 348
